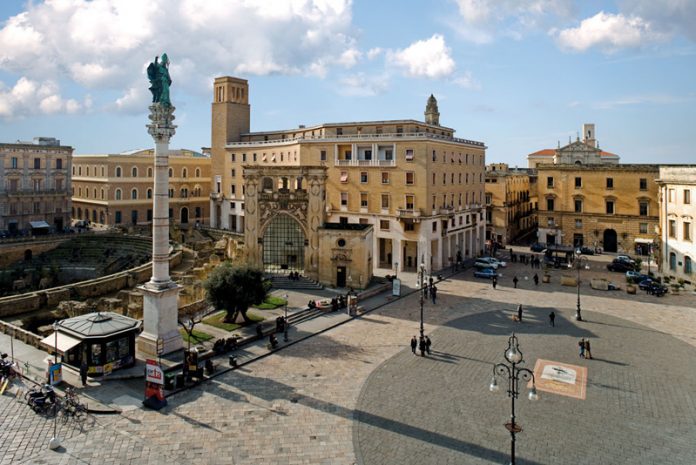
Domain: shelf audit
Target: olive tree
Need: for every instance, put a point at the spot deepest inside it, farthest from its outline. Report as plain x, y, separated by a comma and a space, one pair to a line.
234, 289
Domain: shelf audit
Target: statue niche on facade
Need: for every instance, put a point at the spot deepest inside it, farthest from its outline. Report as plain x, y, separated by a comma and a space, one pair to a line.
158, 74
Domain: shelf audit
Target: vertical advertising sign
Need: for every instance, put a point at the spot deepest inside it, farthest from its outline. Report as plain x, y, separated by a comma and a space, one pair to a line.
154, 386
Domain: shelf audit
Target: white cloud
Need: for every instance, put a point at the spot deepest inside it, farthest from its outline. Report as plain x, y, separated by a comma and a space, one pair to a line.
361, 85
608, 31
28, 97
103, 44
485, 19
467, 81
428, 58
665, 16
374, 53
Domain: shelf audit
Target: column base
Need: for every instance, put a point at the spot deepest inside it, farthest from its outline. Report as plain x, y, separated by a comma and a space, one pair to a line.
160, 315
146, 344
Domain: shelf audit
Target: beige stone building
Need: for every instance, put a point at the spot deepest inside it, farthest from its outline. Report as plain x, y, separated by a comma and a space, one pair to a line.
580, 152
510, 213
417, 186
677, 186
35, 185
116, 189
609, 206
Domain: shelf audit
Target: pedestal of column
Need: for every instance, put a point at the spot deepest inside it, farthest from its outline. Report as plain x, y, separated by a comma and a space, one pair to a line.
160, 315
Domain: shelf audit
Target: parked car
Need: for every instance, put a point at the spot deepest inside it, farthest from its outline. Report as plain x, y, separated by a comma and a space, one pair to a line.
625, 259
488, 273
612, 287
622, 266
636, 276
537, 247
584, 251
656, 289
500, 263
483, 263
646, 283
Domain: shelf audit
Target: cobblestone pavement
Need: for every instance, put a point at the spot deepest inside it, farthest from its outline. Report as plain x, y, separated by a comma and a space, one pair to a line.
355, 394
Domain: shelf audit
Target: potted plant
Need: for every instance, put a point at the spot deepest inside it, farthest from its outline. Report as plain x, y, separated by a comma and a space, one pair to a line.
630, 286
546, 278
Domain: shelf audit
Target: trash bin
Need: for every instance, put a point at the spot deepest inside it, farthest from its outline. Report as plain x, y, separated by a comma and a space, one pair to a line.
169, 381
179, 380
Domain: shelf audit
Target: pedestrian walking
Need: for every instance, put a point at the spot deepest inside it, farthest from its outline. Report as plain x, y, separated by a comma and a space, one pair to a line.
552, 319
495, 282
511, 254
83, 370
433, 293
515, 281
428, 343
519, 313
414, 344
536, 279
581, 346
421, 346
588, 352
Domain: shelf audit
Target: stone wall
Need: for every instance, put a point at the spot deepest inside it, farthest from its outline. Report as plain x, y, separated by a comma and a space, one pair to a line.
17, 304
12, 252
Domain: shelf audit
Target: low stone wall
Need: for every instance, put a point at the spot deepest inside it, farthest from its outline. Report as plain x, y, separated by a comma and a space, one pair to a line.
21, 334
194, 307
13, 251
17, 304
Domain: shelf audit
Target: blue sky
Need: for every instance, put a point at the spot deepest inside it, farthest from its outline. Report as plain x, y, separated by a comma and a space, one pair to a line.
519, 75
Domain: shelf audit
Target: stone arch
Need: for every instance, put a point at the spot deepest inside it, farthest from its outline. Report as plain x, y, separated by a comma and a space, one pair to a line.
610, 240
283, 246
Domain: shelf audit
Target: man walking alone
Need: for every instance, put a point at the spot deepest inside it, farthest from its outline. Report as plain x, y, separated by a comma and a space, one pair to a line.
414, 344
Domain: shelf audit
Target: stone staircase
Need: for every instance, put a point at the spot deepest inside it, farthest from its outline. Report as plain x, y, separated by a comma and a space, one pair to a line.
284, 282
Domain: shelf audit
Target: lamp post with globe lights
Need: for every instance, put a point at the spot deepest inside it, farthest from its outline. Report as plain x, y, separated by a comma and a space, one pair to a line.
514, 374
579, 263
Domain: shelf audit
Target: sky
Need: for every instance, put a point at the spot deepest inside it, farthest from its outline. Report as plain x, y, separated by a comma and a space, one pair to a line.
518, 75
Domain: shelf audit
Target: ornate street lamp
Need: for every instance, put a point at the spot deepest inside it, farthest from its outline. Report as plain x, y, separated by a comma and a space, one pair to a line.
422, 297
285, 325
579, 260
514, 374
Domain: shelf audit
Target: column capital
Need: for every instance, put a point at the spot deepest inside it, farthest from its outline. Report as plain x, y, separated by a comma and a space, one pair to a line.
161, 128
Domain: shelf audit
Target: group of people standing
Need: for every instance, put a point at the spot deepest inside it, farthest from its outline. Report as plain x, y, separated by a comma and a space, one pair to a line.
584, 348
423, 345
531, 260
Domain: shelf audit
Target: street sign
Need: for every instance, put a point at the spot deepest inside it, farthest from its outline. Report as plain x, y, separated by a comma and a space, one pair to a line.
153, 372
396, 287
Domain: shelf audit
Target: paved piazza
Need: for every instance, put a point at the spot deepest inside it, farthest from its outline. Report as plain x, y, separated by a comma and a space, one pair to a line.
356, 394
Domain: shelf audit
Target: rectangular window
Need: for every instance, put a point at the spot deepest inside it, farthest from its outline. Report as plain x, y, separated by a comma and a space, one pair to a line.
378, 130
59, 184
234, 189
610, 207
59, 163
363, 200
578, 206
434, 156
363, 177
643, 184
643, 228
384, 225
368, 154
349, 155
549, 204
409, 226
409, 154
687, 196
388, 154
410, 177
234, 157
578, 182
687, 231
234, 173
339, 131
643, 208
670, 193
344, 176
344, 199
672, 228
244, 157
37, 207
14, 162
549, 181
322, 155
578, 223
610, 183
409, 202
343, 219
117, 217
37, 163
434, 226
385, 201
385, 177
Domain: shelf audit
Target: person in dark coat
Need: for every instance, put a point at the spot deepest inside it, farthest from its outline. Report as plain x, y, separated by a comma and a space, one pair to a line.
433, 293
536, 279
414, 344
428, 343
495, 282
552, 319
421, 346
83, 371
515, 281
519, 313
588, 352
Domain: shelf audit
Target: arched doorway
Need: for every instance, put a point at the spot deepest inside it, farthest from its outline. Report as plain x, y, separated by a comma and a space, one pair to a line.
283, 245
609, 240
184, 215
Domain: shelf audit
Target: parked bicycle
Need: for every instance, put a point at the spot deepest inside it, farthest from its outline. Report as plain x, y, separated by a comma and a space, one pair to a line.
43, 400
72, 407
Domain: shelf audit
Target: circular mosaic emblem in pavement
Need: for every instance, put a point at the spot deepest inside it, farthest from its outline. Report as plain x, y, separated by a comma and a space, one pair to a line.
634, 402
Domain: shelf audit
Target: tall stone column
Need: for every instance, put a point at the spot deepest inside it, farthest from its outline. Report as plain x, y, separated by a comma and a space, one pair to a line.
160, 308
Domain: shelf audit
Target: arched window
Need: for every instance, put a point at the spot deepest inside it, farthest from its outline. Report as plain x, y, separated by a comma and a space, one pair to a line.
102, 173
149, 172
79, 192
73, 173
102, 196
79, 213
198, 172
87, 168
118, 171
79, 171
134, 194
687, 265
86, 192
672, 261
171, 193
95, 192
184, 193
94, 216
134, 172
149, 193
184, 173
118, 194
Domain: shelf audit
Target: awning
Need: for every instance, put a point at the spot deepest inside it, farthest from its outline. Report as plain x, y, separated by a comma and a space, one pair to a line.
39, 224
64, 344
641, 240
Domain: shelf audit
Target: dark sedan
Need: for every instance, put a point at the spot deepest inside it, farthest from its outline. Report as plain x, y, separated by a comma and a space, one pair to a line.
619, 265
584, 251
488, 273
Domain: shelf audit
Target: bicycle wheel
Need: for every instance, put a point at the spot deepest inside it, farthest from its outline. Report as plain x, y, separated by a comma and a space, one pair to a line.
80, 413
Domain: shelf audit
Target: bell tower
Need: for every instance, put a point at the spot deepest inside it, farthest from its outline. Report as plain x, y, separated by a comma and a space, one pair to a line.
432, 115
